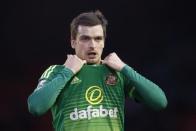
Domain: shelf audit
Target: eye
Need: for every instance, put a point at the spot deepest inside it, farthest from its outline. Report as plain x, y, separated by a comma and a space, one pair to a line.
98, 38
85, 38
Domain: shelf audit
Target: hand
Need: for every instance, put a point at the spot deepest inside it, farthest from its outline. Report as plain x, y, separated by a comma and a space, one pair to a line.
113, 61
74, 63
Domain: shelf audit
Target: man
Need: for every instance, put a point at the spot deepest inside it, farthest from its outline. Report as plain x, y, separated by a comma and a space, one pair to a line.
88, 93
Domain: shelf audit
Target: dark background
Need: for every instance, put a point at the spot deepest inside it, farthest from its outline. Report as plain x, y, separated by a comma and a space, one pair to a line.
155, 37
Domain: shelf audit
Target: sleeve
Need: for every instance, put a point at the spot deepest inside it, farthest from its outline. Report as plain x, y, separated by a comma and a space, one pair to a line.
49, 87
144, 90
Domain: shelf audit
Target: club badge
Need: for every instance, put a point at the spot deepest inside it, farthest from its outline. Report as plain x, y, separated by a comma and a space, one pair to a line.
111, 79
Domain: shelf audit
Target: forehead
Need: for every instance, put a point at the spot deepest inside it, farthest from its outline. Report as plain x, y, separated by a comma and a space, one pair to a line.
92, 31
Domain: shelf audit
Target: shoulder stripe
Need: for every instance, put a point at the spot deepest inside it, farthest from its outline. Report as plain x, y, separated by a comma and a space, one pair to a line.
48, 71
45, 72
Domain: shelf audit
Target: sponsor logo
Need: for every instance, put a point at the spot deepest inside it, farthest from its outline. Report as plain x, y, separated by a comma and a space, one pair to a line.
75, 80
90, 113
94, 95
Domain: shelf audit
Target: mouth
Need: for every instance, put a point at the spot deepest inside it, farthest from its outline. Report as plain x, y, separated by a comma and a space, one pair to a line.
91, 55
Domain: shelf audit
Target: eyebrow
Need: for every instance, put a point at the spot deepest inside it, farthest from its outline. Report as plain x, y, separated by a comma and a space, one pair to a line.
87, 36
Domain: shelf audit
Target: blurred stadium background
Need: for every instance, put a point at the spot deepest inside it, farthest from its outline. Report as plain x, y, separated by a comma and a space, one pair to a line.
156, 38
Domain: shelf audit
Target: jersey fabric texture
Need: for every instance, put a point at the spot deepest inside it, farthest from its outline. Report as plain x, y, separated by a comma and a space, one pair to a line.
91, 100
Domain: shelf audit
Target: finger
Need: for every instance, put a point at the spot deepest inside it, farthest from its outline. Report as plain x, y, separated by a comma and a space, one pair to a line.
69, 55
111, 54
106, 58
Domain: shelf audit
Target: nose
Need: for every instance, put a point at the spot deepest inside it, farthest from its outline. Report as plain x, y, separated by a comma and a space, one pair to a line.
92, 43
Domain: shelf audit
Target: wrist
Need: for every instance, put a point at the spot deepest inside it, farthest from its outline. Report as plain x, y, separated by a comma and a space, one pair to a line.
122, 66
71, 69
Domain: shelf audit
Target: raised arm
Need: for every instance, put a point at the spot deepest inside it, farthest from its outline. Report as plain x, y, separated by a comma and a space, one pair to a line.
51, 83
143, 89
49, 87
147, 92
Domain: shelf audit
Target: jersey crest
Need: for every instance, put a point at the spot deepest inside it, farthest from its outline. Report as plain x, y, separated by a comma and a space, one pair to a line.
111, 79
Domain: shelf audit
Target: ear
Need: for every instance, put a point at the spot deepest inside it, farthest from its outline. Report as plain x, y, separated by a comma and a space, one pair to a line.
73, 43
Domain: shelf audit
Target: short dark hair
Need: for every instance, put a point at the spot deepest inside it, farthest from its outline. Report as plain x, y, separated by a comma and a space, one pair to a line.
88, 19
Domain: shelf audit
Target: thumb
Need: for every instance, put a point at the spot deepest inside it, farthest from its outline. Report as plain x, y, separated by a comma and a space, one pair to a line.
83, 61
103, 61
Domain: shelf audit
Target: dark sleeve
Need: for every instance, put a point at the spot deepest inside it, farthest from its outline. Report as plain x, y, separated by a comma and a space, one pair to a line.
49, 87
144, 90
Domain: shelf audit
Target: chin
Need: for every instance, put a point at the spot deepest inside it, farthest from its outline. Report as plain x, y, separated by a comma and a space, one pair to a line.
93, 62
